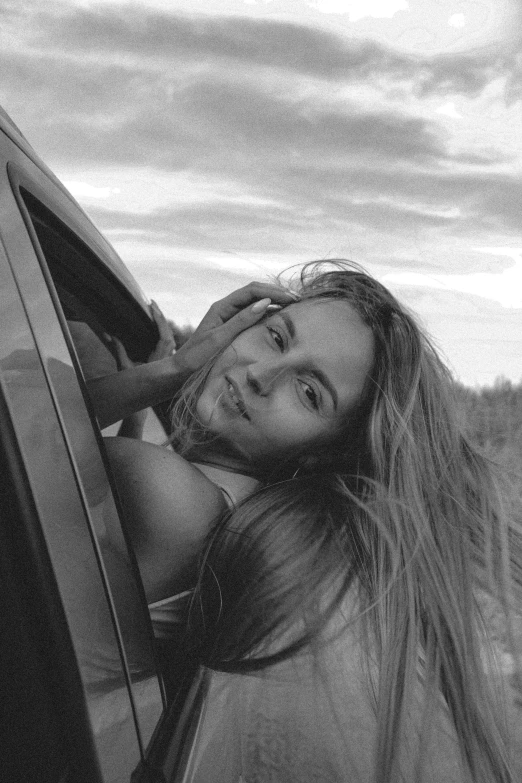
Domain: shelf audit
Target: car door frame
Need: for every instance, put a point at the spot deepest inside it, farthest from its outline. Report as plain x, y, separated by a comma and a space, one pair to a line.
168, 747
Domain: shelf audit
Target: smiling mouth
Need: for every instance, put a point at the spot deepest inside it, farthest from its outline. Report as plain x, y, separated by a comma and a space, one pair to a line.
236, 400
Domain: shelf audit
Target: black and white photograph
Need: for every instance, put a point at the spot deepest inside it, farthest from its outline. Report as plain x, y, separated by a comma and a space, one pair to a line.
261, 391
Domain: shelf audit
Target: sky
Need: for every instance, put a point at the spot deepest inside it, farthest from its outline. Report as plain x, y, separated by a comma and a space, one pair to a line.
219, 141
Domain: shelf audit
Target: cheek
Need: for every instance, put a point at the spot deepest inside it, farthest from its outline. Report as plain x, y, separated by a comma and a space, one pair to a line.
221, 366
289, 426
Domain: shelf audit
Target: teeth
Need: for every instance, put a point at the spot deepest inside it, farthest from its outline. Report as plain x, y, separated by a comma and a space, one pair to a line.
235, 398
237, 402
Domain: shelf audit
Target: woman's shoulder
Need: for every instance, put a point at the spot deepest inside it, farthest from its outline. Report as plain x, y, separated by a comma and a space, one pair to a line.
169, 507
155, 473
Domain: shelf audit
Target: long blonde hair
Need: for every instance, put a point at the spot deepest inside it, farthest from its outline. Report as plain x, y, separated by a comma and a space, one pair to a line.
403, 509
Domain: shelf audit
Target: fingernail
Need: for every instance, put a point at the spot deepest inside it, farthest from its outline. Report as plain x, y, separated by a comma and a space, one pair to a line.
273, 308
258, 307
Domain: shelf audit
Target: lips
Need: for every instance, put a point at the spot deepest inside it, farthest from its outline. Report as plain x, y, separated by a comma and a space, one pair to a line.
235, 398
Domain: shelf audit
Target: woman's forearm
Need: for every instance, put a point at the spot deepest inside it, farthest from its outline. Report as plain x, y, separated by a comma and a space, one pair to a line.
121, 394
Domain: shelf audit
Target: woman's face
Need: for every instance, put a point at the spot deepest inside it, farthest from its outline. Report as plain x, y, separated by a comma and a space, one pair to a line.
287, 383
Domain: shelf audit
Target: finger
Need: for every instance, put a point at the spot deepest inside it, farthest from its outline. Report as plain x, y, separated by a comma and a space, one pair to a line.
237, 301
121, 354
246, 318
164, 328
198, 350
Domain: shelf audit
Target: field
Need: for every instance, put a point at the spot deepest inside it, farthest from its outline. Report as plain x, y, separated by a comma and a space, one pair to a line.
492, 417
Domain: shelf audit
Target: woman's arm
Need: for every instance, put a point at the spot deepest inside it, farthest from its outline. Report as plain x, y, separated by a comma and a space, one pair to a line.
118, 396
168, 505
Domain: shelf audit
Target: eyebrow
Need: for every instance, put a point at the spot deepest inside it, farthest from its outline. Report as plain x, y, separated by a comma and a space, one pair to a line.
319, 374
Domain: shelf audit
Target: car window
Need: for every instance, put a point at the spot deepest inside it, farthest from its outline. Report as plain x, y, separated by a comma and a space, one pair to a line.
96, 308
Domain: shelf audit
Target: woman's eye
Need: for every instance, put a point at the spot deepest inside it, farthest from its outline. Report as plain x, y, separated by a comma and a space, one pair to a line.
311, 394
277, 338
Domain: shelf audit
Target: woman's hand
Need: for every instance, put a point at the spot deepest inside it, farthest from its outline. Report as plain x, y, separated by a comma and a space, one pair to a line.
132, 389
226, 319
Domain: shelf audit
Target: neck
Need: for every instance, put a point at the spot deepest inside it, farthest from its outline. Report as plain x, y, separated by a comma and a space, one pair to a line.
222, 456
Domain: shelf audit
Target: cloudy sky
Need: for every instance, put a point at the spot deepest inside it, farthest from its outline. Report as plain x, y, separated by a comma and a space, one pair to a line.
218, 141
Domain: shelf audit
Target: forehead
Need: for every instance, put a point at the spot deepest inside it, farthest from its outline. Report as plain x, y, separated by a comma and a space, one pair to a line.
332, 336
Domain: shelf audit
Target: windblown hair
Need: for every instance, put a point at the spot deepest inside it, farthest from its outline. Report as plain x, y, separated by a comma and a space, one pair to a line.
402, 511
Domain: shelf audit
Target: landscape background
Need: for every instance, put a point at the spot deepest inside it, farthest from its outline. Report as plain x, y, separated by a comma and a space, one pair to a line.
218, 141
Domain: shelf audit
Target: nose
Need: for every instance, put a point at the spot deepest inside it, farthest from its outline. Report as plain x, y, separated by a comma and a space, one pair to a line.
262, 376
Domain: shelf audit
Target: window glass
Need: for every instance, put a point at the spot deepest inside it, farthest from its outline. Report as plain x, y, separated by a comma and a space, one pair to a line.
93, 306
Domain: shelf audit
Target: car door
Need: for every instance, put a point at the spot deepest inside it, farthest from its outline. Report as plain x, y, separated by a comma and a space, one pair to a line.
81, 634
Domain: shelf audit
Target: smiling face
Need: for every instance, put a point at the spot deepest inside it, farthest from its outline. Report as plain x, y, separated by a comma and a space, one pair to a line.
287, 383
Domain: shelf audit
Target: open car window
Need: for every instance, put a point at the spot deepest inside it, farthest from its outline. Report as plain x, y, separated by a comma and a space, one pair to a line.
96, 308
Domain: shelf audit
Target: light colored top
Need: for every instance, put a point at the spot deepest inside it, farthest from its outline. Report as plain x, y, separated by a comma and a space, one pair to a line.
167, 614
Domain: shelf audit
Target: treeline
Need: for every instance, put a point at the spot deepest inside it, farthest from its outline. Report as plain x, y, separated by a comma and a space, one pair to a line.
492, 417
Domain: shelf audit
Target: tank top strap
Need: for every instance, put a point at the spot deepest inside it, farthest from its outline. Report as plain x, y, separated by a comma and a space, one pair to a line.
234, 486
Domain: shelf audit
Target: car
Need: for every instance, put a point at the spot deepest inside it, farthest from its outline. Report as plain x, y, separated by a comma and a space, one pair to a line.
85, 693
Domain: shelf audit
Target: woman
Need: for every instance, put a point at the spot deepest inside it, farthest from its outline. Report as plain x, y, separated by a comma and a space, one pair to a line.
347, 571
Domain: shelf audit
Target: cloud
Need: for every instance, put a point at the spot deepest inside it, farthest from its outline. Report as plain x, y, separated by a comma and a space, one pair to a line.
118, 114
504, 287
85, 190
449, 110
166, 91
273, 109
360, 9
146, 87
158, 37
488, 201
242, 114
378, 169
363, 210
153, 35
